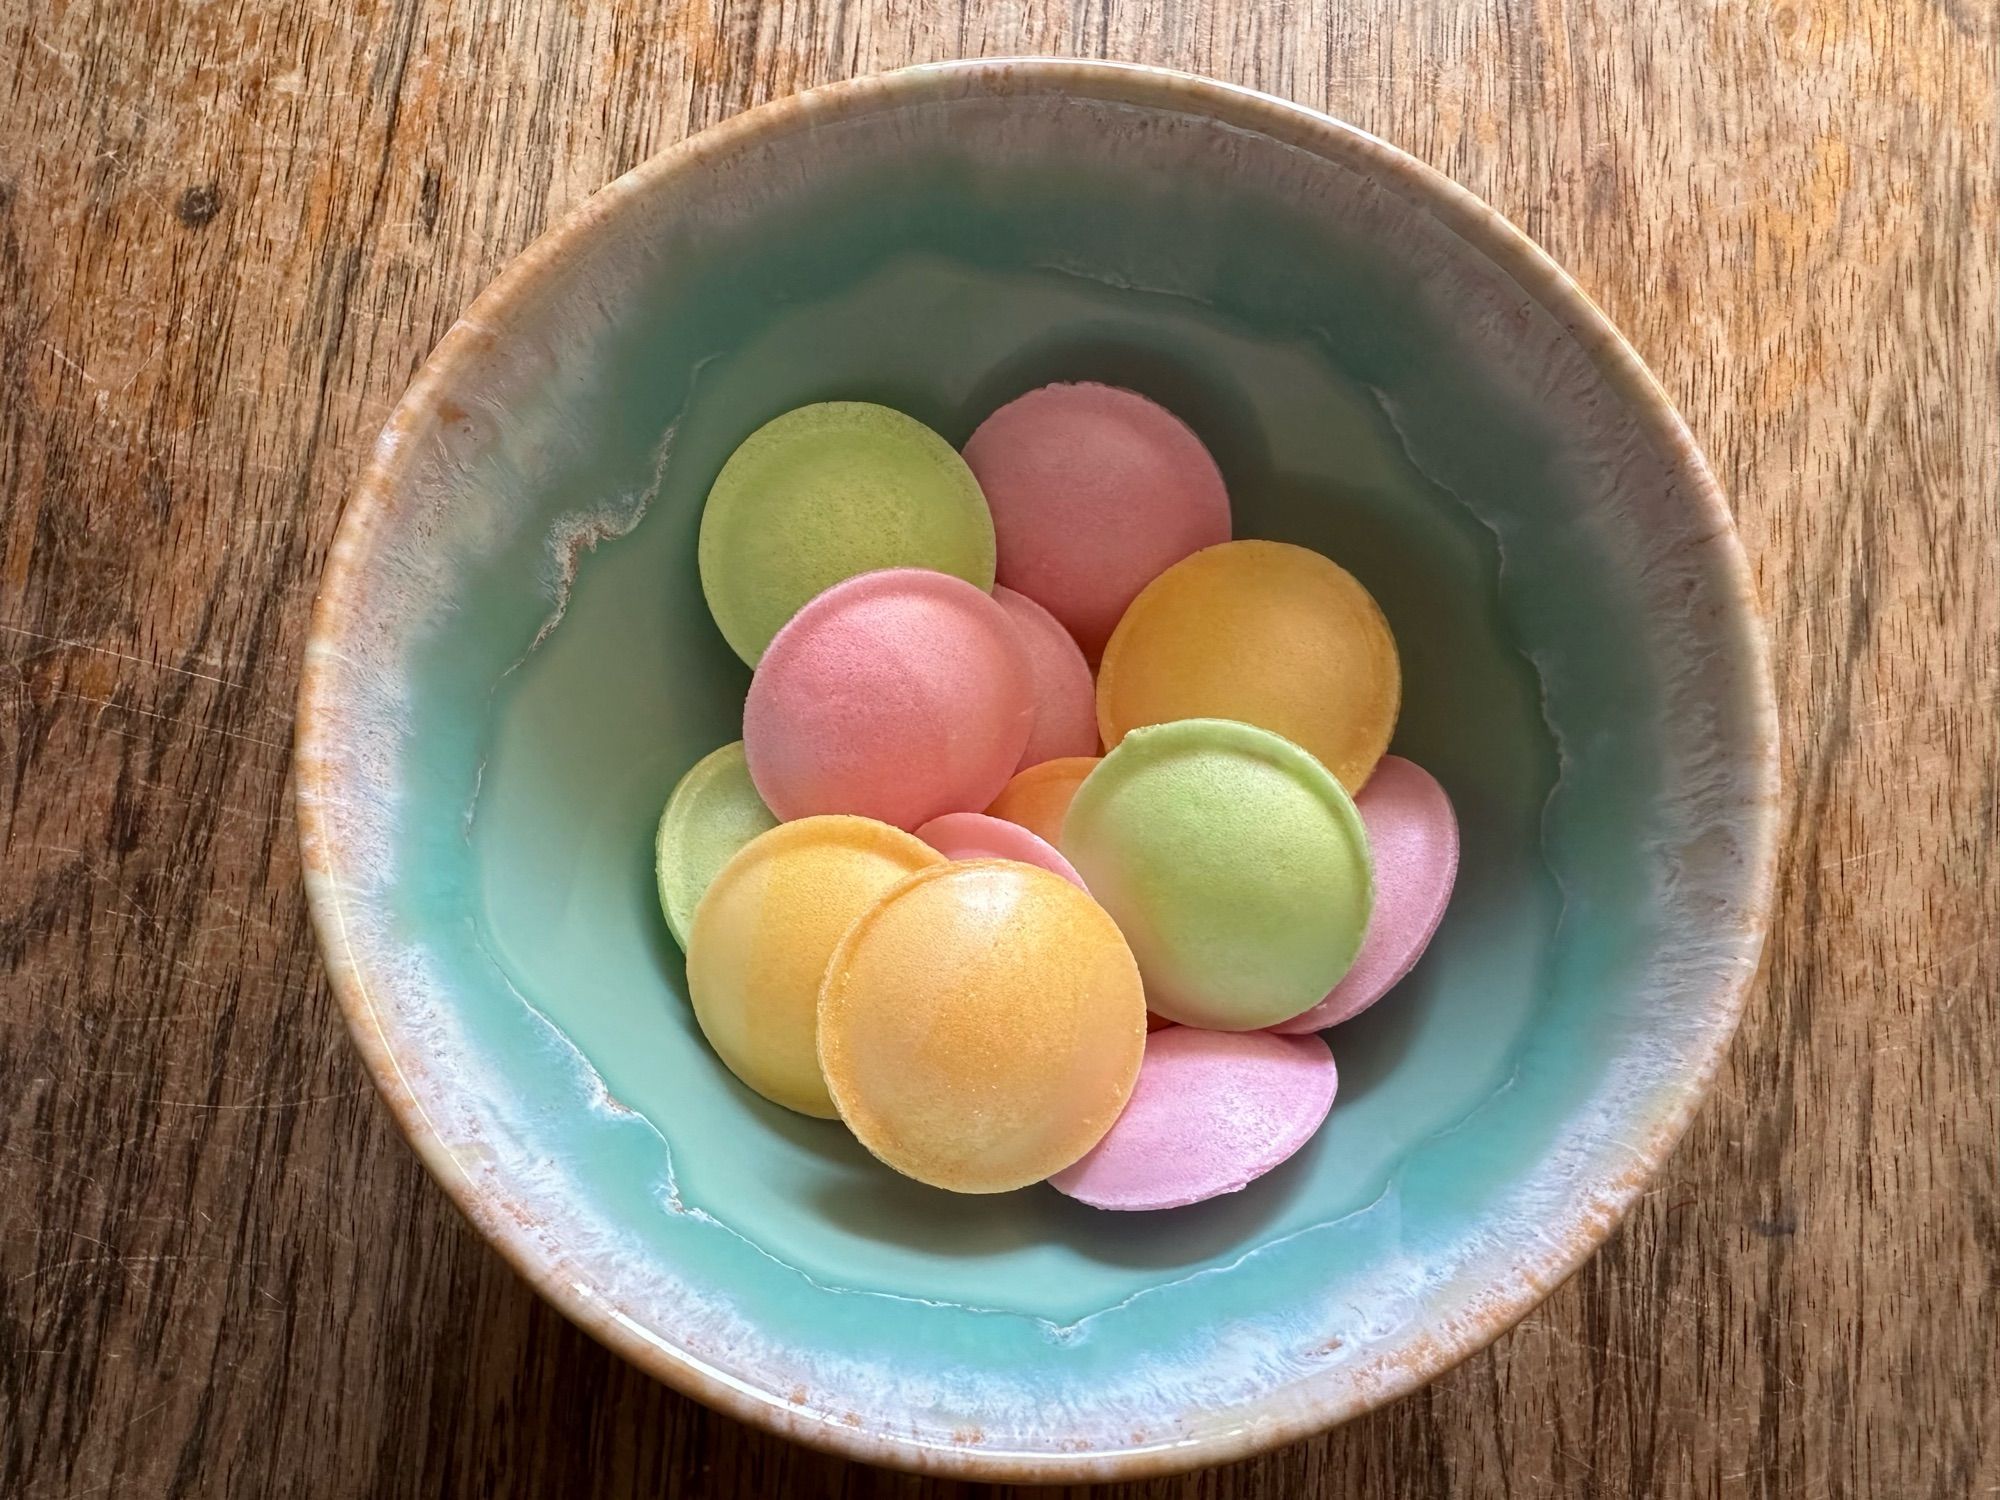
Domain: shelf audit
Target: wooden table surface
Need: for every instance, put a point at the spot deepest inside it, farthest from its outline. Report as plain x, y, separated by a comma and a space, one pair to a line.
229, 229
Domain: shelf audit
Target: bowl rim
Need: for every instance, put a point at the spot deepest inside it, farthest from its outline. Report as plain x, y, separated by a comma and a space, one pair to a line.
379, 489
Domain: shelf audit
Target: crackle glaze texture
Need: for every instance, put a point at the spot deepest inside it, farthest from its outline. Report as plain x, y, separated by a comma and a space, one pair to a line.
511, 666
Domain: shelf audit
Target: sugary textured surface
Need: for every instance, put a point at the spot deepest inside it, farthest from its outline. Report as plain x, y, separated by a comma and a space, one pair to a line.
981, 1027
1039, 797
978, 836
1413, 840
762, 936
1264, 632
1236, 867
823, 493
1094, 492
900, 695
713, 812
1065, 692
1212, 1112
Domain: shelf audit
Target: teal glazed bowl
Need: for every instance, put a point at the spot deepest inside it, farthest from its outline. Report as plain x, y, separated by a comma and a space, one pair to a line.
511, 664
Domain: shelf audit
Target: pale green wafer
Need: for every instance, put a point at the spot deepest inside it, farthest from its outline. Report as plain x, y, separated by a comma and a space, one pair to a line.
1234, 863
823, 493
713, 812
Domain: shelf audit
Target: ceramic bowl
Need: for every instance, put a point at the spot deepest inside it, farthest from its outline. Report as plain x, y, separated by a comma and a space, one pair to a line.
511, 664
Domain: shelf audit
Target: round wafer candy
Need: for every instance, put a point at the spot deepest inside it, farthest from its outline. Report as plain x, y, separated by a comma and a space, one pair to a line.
713, 812
763, 934
1235, 865
1065, 692
1212, 1112
1038, 798
981, 1026
823, 493
977, 836
1094, 491
1264, 632
900, 695
1413, 839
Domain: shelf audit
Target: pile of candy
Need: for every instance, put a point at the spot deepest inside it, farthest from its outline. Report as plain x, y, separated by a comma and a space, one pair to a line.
914, 896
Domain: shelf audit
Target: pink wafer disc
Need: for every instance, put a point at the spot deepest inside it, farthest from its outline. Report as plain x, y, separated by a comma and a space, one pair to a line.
976, 836
1095, 492
1212, 1112
1413, 837
1065, 692
899, 695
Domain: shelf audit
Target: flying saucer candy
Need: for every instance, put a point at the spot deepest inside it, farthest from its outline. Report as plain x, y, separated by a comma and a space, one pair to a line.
1065, 692
900, 695
977, 836
981, 1026
1094, 492
826, 492
1039, 797
1212, 1112
1263, 632
1234, 864
713, 812
763, 933
1413, 838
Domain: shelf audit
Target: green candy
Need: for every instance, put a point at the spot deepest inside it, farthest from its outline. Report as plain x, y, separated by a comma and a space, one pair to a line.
1234, 863
714, 811
823, 493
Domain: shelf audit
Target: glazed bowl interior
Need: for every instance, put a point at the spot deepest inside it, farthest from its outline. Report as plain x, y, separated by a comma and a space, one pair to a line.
513, 665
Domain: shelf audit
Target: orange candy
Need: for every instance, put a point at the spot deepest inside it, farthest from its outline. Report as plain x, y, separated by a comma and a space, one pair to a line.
1038, 798
981, 1027
1264, 633
763, 933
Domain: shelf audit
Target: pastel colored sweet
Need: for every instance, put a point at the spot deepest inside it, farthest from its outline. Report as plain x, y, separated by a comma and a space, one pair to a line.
900, 695
1039, 797
1413, 839
1095, 491
823, 493
763, 934
1264, 632
1235, 865
1065, 692
713, 812
1212, 1112
981, 1026
977, 836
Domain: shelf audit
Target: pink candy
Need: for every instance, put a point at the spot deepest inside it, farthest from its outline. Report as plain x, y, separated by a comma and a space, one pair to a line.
1065, 692
899, 695
1095, 492
1212, 1112
1413, 836
976, 836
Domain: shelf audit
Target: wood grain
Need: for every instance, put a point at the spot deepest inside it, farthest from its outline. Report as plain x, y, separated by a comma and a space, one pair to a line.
229, 229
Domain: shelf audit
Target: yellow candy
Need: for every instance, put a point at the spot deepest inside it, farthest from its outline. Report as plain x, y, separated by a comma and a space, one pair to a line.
1038, 798
982, 1026
762, 935
1264, 633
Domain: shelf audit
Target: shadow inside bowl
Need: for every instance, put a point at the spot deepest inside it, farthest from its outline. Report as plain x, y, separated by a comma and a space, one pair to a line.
872, 1202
